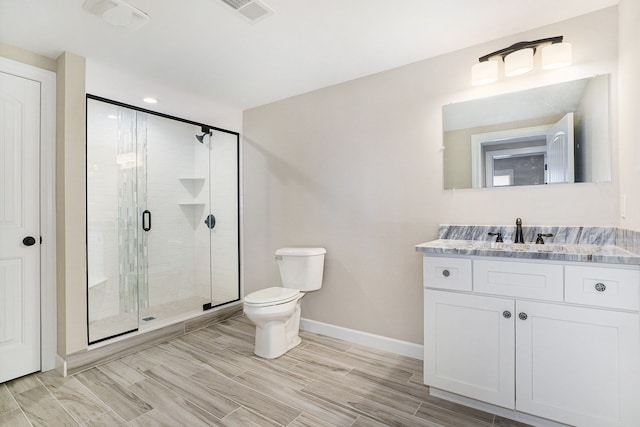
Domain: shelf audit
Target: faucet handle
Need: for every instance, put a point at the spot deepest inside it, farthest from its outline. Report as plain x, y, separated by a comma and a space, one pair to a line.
539, 240
498, 236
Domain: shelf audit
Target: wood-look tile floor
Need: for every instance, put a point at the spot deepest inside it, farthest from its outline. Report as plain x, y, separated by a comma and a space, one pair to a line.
211, 377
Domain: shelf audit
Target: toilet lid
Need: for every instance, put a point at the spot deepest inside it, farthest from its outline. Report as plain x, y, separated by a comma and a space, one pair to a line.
274, 295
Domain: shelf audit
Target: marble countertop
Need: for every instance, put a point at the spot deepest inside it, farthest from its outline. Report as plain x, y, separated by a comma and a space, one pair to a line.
607, 253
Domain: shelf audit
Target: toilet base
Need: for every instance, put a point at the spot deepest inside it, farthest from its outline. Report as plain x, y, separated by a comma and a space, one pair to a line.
275, 338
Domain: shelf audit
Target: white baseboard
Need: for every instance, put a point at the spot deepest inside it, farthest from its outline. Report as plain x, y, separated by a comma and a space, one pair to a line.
364, 338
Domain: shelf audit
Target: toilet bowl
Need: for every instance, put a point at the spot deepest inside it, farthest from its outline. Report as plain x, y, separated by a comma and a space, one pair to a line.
276, 315
276, 310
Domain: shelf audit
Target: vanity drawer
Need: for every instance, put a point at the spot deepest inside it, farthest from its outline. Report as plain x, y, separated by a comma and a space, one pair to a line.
447, 273
603, 287
519, 279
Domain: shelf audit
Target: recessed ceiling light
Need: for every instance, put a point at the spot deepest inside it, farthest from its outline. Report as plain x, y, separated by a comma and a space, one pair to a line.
150, 100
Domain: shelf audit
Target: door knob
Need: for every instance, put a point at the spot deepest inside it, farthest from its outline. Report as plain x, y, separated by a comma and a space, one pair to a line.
28, 241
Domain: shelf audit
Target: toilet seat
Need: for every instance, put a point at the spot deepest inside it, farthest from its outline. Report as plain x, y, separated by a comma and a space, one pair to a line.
271, 296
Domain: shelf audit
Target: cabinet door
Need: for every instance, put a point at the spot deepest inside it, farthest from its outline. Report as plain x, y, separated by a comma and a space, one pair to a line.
469, 346
577, 365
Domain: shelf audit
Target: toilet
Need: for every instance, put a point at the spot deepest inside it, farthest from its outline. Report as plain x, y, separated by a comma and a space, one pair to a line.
276, 311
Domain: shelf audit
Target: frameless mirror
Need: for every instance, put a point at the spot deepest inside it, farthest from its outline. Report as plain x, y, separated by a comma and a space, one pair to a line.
546, 135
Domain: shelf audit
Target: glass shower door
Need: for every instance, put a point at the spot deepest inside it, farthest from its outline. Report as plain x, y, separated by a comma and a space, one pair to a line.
174, 235
112, 220
224, 256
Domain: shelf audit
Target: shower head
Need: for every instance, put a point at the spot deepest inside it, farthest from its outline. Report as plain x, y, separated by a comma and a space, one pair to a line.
205, 131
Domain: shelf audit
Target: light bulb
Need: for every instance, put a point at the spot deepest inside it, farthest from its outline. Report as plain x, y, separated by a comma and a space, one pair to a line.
518, 62
484, 73
556, 55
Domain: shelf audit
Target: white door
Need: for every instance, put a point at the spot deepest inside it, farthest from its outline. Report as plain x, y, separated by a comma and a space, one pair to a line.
19, 220
577, 365
560, 151
468, 346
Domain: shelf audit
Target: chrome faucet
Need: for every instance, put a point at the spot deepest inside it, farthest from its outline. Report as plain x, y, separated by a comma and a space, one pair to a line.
519, 237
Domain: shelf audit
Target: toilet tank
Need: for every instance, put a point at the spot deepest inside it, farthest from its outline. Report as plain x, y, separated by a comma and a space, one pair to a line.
301, 268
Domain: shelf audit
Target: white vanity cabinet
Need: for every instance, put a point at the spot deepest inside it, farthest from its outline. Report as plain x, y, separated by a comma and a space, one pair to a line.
557, 341
469, 346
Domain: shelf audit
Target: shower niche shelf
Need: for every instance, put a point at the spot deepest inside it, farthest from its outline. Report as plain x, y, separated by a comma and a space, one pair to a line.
193, 184
192, 211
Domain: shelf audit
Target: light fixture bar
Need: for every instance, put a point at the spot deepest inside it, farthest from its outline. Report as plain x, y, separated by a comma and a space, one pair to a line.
521, 45
518, 59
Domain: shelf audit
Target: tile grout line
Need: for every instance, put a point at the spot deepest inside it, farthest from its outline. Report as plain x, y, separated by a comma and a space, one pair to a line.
93, 394
18, 404
105, 403
57, 401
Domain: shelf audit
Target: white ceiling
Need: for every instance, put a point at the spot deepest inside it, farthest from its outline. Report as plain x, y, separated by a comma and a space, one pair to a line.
203, 47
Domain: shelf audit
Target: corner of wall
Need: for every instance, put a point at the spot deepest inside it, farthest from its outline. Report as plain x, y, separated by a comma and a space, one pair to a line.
628, 105
71, 203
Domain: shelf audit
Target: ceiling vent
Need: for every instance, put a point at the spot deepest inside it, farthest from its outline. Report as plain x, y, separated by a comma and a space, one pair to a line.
252, 10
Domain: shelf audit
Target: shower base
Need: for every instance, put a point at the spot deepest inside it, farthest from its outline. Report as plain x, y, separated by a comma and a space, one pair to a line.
150, 317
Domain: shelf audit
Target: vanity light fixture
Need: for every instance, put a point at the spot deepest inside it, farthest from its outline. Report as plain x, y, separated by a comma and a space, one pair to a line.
518, 59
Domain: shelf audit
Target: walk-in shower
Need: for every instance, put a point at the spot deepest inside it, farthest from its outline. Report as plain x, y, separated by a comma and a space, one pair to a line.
162, 219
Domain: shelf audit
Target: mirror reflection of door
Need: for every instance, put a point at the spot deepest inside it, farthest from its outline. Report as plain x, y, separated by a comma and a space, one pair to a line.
527, 156
560, 151
519, 166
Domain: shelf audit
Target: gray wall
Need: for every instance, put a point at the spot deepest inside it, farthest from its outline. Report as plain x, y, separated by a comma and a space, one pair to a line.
357, 168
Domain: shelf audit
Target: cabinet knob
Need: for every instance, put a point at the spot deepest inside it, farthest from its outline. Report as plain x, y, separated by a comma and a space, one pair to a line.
506, 314
446, 273
600, 287
522, 316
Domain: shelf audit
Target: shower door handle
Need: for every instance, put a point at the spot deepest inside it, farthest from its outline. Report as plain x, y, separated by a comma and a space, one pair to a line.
146, 220
210, 221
